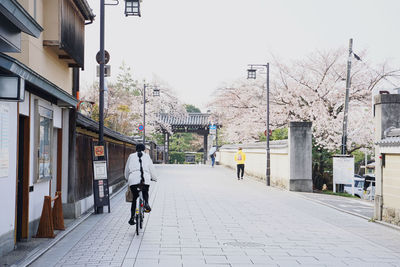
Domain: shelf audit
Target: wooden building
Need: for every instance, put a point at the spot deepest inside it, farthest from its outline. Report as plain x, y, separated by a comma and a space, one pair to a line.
80, 182
42, 44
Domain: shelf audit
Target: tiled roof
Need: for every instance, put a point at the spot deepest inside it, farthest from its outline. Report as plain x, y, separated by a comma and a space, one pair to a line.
392, 132
391, 137
276, 144
193, 119
389, 141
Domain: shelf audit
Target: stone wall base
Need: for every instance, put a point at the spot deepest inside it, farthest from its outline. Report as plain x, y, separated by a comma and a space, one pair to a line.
6, 243
301, 185
391, 215
76, 209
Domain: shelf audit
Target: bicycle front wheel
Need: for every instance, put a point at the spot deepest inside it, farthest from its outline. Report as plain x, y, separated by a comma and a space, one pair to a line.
141, 220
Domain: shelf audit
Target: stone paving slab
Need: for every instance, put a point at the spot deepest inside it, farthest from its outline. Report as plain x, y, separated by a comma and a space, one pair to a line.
203, 216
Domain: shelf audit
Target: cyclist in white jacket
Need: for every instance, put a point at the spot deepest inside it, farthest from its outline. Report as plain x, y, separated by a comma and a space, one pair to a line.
139, 170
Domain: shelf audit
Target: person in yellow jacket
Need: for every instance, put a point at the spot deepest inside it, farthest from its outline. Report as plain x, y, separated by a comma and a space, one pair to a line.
240, 158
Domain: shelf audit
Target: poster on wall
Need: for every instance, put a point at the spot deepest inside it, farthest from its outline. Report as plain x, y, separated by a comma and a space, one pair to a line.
4, 129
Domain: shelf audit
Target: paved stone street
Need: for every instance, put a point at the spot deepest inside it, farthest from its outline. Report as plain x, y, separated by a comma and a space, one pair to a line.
356, 206
204, 216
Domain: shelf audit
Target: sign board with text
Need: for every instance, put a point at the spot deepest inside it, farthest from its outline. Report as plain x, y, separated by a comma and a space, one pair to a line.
213, 129
100, 179
343, 170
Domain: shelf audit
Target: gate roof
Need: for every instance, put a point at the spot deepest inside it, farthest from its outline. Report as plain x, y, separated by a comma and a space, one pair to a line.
193, 119
193, 122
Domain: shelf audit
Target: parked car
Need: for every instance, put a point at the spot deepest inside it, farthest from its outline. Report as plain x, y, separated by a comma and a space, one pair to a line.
364, 187
358, 187
369, 186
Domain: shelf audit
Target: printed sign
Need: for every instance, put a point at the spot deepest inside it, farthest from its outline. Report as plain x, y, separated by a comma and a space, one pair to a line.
141, 128
99, 151
270, 132
343, 171
101, 191
100, 169
213, 129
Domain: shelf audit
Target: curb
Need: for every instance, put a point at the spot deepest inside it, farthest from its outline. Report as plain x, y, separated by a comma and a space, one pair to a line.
36, 253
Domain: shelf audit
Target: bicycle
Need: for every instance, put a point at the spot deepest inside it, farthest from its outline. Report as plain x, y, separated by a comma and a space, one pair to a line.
140, 209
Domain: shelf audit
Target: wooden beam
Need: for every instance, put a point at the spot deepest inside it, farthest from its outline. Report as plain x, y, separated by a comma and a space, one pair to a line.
51, 43
64, 57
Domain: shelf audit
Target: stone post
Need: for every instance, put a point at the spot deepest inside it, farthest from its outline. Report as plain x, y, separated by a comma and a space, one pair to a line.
300, 156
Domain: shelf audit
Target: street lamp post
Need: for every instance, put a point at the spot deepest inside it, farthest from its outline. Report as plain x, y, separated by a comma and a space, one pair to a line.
251, 74
101, 96
132, 8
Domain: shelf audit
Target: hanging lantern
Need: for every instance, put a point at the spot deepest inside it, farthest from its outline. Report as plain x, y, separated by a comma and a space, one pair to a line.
156, 91
132, 8
251, 73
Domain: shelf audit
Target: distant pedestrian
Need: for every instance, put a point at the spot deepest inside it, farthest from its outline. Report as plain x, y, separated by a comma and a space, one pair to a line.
213, 159
240, 158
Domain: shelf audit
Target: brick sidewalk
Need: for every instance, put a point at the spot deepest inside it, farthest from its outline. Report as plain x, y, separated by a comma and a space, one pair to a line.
203, 216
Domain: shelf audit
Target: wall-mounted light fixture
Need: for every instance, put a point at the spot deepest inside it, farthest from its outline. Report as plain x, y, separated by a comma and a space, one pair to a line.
12, 88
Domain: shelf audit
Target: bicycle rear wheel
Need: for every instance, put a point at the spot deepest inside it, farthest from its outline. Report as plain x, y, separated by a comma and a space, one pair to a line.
137, 218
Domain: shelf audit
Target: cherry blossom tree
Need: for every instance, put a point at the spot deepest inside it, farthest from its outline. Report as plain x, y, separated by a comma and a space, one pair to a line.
311, 89
123, 110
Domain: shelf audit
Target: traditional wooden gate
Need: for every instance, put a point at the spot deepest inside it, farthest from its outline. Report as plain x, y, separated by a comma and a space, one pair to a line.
198, 123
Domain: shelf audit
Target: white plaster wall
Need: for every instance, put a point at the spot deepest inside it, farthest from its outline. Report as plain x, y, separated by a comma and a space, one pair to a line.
57, 114
8, 184
280, 168
256, 162
87, 203
24, 106
39, 58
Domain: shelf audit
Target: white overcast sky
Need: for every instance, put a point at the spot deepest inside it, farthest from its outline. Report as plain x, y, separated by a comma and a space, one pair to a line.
195, 46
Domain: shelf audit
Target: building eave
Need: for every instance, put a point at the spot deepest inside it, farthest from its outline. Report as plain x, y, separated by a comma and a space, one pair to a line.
85, 9
13, 66
15, 13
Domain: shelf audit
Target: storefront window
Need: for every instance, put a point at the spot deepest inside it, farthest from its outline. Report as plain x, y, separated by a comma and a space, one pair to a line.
45, 141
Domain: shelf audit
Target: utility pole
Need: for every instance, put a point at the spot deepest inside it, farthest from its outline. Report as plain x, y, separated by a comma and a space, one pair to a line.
346, 101
144, 114
268, 171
